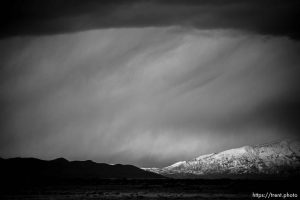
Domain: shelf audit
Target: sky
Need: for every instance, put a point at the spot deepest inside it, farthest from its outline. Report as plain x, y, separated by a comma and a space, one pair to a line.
146, 83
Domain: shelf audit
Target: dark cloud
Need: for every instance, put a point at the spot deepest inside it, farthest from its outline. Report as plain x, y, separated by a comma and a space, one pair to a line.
33, 17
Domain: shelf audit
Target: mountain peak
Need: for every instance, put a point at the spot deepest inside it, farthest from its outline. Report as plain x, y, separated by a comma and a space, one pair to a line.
61, 160
279, 158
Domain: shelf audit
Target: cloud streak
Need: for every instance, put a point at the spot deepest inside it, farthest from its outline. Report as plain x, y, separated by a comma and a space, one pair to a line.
146, 96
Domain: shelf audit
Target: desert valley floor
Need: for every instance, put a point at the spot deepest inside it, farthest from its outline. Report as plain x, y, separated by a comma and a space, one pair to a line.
152, 189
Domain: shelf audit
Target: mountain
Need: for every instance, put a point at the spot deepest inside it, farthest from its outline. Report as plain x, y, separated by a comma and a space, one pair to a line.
30, 170
278, 159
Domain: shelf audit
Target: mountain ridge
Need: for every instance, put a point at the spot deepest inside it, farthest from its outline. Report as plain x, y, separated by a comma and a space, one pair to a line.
33, 170
276, 159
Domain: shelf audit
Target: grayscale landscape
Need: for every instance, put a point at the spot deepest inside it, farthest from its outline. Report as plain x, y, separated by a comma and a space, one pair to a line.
149, 99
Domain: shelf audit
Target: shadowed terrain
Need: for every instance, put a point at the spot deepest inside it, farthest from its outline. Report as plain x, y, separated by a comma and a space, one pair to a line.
30, 178
153, 189
35, 171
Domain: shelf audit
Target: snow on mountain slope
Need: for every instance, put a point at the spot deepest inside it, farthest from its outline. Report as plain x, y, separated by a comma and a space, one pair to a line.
278, 158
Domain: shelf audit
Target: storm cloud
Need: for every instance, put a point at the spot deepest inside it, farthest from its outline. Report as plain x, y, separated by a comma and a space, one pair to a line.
146, 96
270, 17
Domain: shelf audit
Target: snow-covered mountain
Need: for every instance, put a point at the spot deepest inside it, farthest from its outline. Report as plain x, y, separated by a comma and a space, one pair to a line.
273, 159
